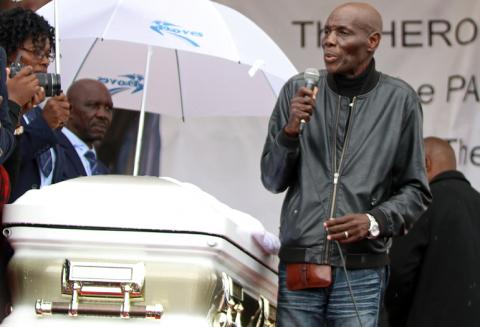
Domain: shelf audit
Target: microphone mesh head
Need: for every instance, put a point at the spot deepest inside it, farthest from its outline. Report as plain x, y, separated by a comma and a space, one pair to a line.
311, 74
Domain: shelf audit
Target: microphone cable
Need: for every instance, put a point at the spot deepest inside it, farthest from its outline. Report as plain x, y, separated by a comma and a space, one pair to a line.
344, 266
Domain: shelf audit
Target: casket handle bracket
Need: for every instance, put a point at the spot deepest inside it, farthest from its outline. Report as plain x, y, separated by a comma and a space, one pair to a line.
230, 308
265, 316
112, 286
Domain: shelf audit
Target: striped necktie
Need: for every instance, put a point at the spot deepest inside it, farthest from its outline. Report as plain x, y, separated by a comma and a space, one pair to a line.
92, 160
45, 162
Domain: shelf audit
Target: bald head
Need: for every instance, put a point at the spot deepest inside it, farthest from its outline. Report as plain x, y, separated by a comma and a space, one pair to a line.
367, 17
91, 112
84, 86
439, 157
352, 34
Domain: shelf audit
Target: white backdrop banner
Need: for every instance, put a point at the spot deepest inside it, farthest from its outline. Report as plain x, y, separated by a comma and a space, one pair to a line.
433, 45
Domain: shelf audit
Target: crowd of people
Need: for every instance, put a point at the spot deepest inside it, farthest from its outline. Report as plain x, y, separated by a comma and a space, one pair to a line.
349, 152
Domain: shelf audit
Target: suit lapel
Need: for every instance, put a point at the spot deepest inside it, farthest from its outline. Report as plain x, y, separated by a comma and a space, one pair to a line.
68, 163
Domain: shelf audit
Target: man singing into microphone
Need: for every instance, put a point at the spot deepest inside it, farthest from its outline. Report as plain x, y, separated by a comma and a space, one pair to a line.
354, 175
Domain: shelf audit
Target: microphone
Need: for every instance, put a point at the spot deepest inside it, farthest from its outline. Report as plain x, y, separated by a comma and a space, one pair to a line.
311, 76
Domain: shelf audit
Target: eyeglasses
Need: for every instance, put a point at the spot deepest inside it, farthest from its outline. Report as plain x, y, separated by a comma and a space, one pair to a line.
40, 54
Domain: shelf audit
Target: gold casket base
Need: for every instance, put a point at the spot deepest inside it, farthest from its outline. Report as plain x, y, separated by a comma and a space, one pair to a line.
103, 275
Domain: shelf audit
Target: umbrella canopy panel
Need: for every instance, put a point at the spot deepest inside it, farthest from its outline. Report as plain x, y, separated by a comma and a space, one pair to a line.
180, 83
193, 25
207, 59
198, 26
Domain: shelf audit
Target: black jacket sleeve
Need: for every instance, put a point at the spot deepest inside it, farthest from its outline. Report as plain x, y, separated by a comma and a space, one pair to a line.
7, 140
37, 137
280, 152
411, 192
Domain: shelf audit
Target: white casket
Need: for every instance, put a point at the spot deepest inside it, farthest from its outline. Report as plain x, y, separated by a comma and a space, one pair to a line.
94, 250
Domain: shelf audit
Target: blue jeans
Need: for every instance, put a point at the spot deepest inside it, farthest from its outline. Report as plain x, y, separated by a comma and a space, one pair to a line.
333, 306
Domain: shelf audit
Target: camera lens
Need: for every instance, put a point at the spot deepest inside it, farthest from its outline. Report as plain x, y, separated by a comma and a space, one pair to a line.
50, 82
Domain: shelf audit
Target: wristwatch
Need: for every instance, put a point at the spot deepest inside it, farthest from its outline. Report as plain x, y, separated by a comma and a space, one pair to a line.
373, 230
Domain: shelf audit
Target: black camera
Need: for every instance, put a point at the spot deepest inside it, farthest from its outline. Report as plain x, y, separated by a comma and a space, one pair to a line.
49, 81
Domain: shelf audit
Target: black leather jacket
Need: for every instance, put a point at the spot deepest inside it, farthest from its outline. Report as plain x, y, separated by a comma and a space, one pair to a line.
381, 170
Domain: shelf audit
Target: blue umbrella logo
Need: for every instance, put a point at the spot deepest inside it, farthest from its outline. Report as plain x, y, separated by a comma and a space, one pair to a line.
133, 82
182, 33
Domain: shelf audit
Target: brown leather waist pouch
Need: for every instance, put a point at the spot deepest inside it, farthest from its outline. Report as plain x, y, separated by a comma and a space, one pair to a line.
308, 275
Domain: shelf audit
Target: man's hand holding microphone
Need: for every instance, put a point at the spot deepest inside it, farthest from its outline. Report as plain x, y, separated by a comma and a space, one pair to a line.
302, 104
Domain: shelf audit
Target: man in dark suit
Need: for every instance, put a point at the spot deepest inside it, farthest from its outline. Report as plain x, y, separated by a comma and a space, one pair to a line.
435, 278
74, 149
90, 117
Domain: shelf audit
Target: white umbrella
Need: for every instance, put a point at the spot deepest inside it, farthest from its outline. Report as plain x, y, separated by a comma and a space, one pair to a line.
198, 58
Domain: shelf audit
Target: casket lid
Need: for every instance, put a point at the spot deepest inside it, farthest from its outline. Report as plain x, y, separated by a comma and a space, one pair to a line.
142, 203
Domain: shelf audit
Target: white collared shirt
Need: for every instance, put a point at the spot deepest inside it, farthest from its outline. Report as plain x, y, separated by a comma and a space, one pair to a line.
81, 148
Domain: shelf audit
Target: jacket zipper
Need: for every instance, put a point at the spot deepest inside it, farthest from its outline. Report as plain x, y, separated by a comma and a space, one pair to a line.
336, 175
